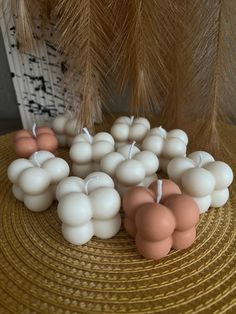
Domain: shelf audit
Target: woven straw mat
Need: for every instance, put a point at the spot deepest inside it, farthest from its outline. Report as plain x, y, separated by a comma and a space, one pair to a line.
41, 273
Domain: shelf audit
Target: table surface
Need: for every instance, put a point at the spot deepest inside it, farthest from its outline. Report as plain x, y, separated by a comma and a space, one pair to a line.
41, 273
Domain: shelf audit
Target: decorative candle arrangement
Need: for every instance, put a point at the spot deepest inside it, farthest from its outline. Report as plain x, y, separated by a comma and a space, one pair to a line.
88, 208
42, 138
201, 177
34, 179
129, 166
125, 130
166, 145
160, 218
87, 151
66, 128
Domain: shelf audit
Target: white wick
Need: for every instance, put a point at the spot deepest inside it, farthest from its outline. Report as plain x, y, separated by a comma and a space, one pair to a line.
131, 150
86, 131
35, 157
131, 120
162, 131
87, 183
200, 161
34, 130
159, 190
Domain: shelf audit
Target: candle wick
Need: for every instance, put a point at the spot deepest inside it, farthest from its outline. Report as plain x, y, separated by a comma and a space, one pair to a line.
35, 157
87, 184
200, 161
159, 190
131, 120
86, 131
131, 150
162, 130
34, 130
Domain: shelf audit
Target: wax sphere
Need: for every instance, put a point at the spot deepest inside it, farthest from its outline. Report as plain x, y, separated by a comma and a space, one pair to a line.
168, 188
69, 185
134, 169
178, 166
125, 150
81, 152
120, 132
39, 202
78, 235
16, 167
130, 227
160, 131
57, 169
98, 179
201, 158
25, 146
153, 250
18, 193
82, 170
222, 173
104, 136
105, 202
71, 126
137, 132
183, 239
136, 197
149, 161
198, 182
180, 134
34, 180
47, 141
203, 203
106, 229
21, 134
153, 143
101, 148
154, 222
75, 209
58, 124
173, 147
38, 158
185, 210
110, 161
219, 197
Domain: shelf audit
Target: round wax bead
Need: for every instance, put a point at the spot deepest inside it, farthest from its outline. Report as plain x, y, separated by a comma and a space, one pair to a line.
74, 209
154, 222
105, 202
110, 161
219, 197
183, 239
153, 143
173, 147
38, 158
153, 250
120, 132
160, 131
149, 161
222, 173
130, 226
57, 169
40, 202
82, 170
47, 142
69, 185
124, 150
71, 127
201, 158
177, 167
78, 235
25, 146
198, 182
137, 132
16, 167
180, 134
104, 136
18, 193
98, 179
81, 153
34, 181
106, 229
100, 149
130, 172
203, 203
58, 124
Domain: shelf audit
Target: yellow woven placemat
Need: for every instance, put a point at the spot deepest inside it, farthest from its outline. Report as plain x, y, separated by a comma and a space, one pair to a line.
41, 273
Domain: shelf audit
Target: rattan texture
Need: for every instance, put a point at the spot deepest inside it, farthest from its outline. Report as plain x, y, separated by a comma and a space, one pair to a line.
41, 273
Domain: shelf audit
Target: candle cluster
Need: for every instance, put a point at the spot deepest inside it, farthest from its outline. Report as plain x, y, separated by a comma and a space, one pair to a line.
65, 127
34, 179
160, 218
203, 178
87, 151
165, 145
26, 142
88, 207
129, 166
125, 130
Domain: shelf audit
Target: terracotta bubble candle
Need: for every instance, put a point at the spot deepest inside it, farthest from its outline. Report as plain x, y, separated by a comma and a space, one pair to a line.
160, 218
42, 138
203, 178
66, 128
88, 208
125, 130
87, 151
34, 180
165, 145
129, 166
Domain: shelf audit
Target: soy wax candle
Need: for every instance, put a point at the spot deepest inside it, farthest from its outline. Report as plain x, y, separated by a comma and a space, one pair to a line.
87, 151
42, 138
88, 208
34, 179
